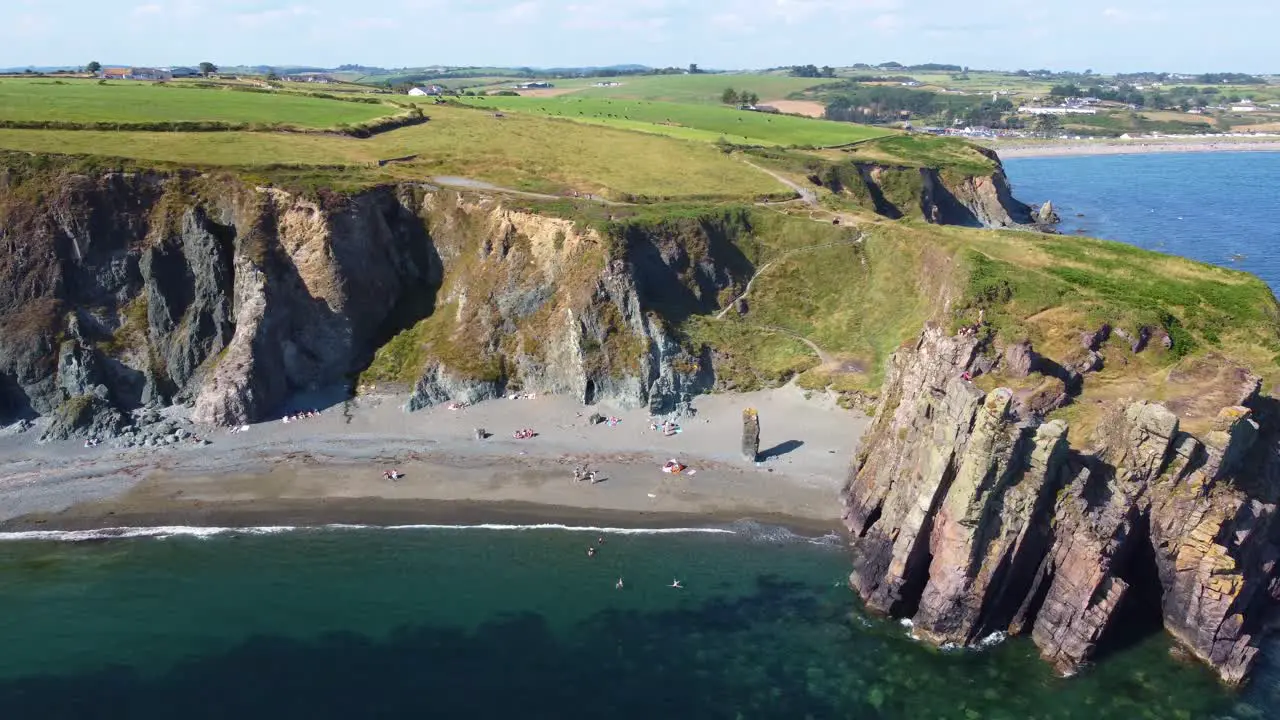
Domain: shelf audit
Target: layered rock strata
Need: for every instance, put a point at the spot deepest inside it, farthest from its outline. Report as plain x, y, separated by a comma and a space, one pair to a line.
971, 521
129, 290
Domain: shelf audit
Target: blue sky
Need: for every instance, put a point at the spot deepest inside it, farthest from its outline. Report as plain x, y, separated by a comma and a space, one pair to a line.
1105, 35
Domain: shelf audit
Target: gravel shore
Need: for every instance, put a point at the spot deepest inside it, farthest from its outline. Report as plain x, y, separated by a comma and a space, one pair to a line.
329, 469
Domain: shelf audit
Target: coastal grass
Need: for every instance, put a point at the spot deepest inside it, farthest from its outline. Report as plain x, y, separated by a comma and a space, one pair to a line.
87, 101
713, 122
860, 302
524, 152
918, 150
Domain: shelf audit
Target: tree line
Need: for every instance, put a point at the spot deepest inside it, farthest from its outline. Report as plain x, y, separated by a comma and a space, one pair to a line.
813, 71
736, 97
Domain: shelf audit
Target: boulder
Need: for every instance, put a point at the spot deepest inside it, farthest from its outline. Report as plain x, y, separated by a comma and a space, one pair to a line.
1020, 359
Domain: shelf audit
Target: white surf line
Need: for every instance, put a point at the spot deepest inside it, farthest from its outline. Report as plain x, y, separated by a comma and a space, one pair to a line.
161, 532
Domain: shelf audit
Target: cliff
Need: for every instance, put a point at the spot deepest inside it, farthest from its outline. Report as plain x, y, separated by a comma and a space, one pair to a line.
939, 180
128, 290
972, 517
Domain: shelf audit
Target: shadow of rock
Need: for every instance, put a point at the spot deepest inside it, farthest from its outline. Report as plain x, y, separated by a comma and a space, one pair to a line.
781, 449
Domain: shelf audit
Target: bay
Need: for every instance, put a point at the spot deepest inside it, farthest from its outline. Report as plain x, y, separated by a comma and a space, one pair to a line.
489, 623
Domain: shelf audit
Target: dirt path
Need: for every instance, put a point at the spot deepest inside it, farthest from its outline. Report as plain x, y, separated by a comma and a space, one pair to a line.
771, 263
473, 184
823, 356
809, 197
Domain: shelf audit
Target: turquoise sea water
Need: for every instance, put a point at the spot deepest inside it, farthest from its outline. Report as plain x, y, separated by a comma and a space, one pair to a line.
1220, 208
487, 623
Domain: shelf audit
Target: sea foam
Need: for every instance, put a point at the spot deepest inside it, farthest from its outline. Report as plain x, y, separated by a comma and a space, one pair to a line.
163, 532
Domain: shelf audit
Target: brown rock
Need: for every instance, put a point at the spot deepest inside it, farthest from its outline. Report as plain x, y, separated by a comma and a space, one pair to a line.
1019, 359
963, 518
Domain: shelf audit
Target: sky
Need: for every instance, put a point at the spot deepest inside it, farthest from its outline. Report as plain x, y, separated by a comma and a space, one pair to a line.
1102, 35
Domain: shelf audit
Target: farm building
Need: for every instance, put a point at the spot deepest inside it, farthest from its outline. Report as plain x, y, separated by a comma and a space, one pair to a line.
309, 77
534, 86
428, 90
136, 73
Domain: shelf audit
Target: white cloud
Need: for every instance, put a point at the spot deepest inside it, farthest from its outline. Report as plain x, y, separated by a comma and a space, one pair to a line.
375, 23
887, 22
263, 18
733, 23
520, 13
150, 9
634, 19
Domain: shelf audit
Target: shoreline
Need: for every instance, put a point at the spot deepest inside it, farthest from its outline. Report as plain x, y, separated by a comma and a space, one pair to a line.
329, 470
1137, 146
383, 514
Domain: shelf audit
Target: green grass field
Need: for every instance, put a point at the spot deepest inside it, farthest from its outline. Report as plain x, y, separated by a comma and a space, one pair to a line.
525, 152
128, 101
712, 122
693, 89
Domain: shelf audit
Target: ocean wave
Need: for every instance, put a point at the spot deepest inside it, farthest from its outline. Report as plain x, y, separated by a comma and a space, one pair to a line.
163, 532
775, 533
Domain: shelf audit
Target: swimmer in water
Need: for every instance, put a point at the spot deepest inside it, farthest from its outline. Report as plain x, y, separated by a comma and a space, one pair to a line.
676, 584
600, 540
618, 585
591, 552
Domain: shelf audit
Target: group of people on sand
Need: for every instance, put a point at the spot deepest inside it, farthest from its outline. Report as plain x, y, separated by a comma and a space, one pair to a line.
459, 405
591, 552
304, 415
392, 474
92, 442
524, 434
667, 428
581, 473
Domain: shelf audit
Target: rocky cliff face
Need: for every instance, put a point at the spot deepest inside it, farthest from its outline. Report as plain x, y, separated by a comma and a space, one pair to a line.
121, 291
971, 521
940, 197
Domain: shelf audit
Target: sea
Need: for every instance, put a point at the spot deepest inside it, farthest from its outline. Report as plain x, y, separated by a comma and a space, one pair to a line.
503, 621
1219, 208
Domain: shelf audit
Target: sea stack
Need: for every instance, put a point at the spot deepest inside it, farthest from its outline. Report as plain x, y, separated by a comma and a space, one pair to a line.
750, 435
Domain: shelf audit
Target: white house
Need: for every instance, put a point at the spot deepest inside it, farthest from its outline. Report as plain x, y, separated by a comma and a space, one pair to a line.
429, 90
1058, 110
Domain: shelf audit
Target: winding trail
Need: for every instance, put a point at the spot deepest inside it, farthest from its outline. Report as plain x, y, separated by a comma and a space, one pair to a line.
823, 356
809, 197
747, 290
463, 183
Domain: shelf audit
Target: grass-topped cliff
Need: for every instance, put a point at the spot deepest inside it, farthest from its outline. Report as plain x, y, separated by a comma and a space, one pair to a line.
633, 266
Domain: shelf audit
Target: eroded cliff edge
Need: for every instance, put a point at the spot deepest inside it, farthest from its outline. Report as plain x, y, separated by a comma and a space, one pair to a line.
970, 519
129, 290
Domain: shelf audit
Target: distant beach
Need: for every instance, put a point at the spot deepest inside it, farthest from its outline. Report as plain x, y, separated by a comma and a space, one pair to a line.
1063, 148
329, 469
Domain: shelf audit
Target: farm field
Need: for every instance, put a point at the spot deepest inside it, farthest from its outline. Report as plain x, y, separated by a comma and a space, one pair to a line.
696, 89
712, 122
137, 102
525, 152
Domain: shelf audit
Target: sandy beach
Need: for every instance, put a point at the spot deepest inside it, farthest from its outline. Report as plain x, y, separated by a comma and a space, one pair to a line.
328, 469
1025, 149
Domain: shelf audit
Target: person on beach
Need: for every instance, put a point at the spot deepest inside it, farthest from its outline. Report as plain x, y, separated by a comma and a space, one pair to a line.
577, 473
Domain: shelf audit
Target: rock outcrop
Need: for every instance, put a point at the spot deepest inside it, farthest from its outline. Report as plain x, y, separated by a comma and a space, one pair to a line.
940, 197
970, 521
124, 291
